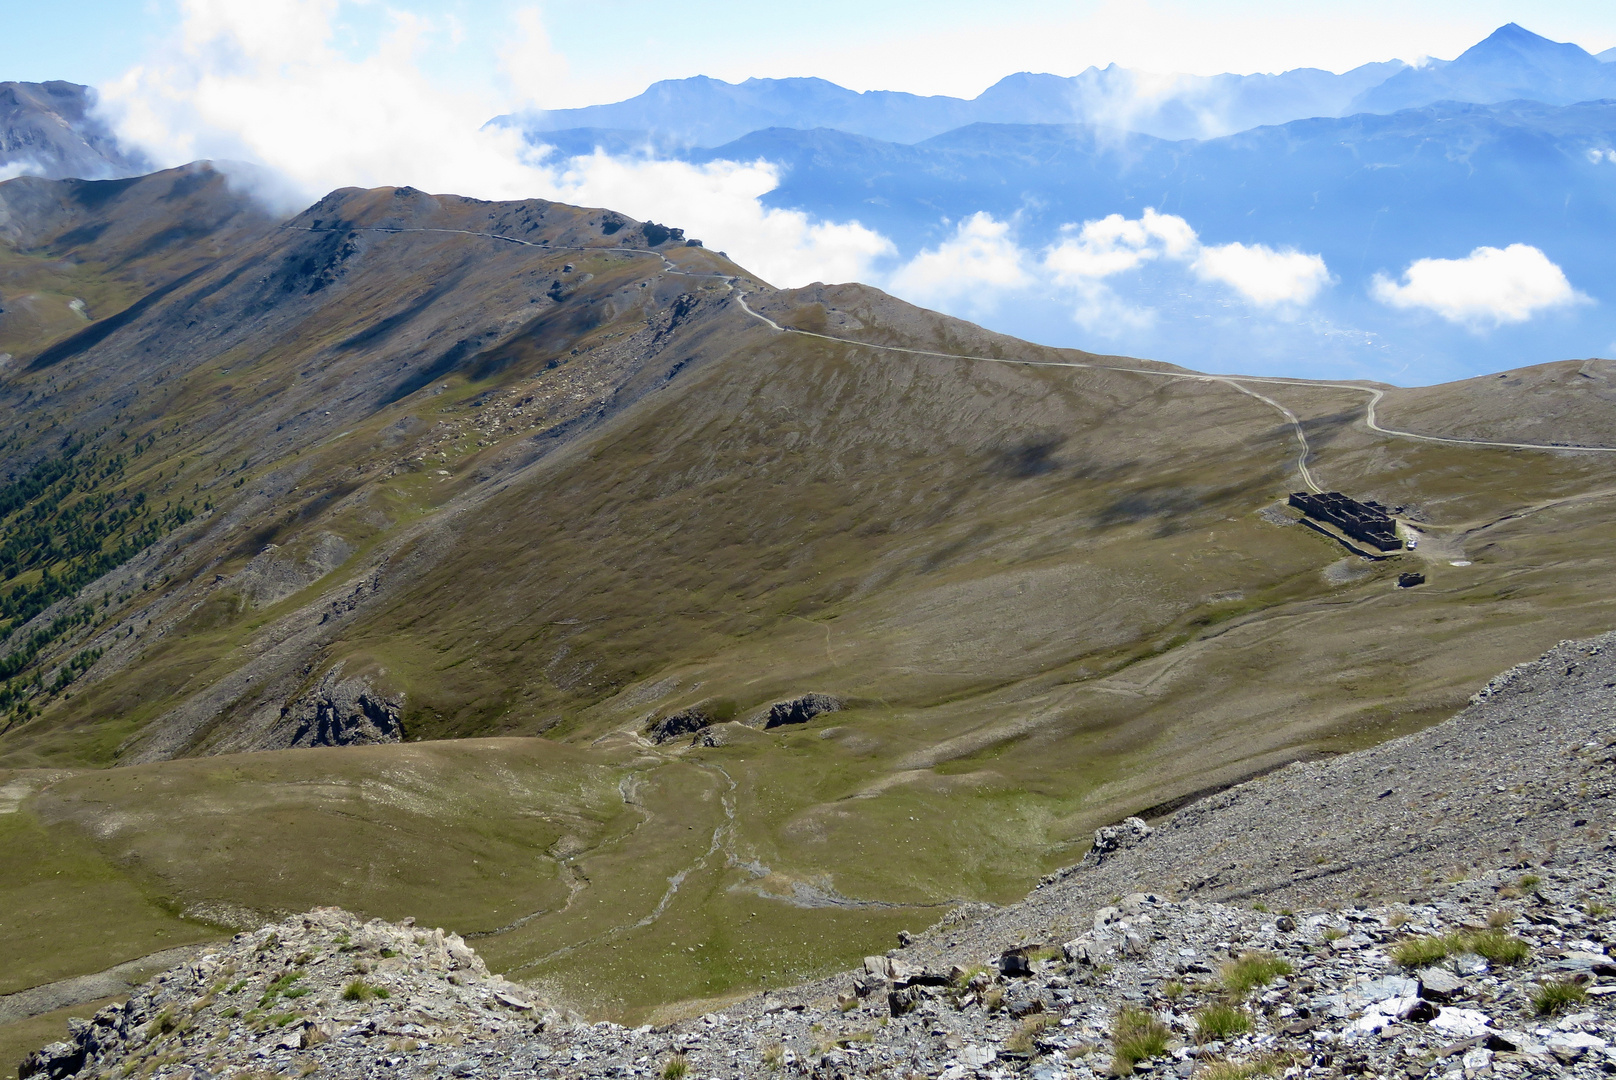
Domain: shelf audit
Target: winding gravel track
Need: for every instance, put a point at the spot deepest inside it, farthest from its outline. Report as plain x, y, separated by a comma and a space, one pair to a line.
1233, 382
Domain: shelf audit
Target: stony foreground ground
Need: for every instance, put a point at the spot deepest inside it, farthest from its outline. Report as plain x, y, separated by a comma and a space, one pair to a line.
1452, 896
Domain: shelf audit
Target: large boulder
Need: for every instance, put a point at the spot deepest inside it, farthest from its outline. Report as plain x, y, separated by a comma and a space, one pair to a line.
58, 1060
1111, 839
684, 722
800, 710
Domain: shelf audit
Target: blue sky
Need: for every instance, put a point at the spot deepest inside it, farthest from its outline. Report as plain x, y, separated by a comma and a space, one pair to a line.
608, 49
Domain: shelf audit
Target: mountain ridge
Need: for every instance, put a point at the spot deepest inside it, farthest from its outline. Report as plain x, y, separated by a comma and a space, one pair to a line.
1511, 63
51, 129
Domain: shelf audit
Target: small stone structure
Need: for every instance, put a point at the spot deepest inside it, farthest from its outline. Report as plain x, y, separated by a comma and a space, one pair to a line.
1366, 521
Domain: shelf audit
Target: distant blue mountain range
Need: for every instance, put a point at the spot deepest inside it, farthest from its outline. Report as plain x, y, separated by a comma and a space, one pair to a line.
1511, 143
1511, 64
1368, 192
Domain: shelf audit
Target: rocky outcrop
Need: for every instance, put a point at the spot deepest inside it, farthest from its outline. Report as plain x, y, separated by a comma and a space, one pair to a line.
323, 984
800, 710
689, 720
684, 722
1502, 976
1130, 832
342, 712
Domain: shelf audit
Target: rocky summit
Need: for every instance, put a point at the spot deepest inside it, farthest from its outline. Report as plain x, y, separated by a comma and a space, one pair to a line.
1454, 921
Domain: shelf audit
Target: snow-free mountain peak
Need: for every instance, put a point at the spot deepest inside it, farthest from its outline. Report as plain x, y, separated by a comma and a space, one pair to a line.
1511, 63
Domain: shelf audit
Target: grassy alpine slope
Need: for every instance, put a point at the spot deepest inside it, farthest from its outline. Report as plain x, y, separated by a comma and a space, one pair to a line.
536, 508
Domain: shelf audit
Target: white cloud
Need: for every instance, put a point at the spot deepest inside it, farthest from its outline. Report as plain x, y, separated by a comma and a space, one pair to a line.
977, 267
967, 270
1490, 286
10, 170
530, 65
1262, 275
719, 202
1115, 244
266, 83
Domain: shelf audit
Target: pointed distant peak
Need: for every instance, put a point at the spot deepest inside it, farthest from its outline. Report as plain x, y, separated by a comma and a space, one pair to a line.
1515, 38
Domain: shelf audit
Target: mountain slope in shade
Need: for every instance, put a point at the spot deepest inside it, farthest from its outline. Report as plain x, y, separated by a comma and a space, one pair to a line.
1512, 63
49, 129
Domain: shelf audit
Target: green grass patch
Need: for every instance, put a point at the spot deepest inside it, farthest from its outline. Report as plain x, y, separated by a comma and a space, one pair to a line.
1494, 945
1219, 1021
70, 910
1136, 1035
360, 990
1425, 950
279, 987
1252, 970
1551, 998
1498, 947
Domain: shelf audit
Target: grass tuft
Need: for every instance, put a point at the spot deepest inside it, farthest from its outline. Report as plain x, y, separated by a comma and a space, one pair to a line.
1425, 950
675, 1067
1498, 947
280, 987
1136, 1035
1493, 945
360, 990
1216, 1022
1253, 970
1020, 1040
1233, 1070
1557, 997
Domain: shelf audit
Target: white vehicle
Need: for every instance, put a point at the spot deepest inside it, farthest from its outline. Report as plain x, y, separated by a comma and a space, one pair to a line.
1413, 542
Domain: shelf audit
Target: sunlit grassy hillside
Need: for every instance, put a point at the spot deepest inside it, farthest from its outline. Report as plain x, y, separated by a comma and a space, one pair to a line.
536, 483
